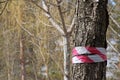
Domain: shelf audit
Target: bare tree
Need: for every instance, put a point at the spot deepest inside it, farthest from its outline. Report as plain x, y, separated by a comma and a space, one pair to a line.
63, 30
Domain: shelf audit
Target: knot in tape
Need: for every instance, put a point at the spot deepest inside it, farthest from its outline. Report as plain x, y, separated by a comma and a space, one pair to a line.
88, 54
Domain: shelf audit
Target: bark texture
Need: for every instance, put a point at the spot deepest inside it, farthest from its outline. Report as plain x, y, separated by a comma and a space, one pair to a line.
91, 27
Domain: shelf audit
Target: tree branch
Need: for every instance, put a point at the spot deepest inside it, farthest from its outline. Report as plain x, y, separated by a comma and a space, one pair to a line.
114, 31
45, 24
39, 7
27, 31
50, 18
61, 16
4, 8
72, 26
2, 2
113, 47
114, 21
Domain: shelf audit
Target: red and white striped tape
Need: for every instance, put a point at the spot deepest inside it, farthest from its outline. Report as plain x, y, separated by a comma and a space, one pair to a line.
88, 54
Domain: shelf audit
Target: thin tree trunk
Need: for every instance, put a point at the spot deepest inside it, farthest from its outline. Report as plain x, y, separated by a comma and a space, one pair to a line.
9, 74
22, 57
34, 70
8, 62
34, 64
66, 58
7, 55
91, 27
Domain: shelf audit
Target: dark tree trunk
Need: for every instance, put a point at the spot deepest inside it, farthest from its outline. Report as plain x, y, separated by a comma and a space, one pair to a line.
91, 27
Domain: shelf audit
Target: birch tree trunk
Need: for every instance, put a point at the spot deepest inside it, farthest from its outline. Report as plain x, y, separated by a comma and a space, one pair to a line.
91, 27
66, 58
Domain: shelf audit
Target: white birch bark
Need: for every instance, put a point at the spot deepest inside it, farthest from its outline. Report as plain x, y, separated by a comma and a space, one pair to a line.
64, 32
66, 49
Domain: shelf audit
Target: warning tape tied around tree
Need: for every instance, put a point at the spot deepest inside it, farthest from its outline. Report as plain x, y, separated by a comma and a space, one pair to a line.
88, 54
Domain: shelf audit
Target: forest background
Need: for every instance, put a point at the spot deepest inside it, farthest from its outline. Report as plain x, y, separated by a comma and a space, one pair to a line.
29, 43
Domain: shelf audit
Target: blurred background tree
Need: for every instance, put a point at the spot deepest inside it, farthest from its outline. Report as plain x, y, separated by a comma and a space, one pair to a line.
42, 46
113, 37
